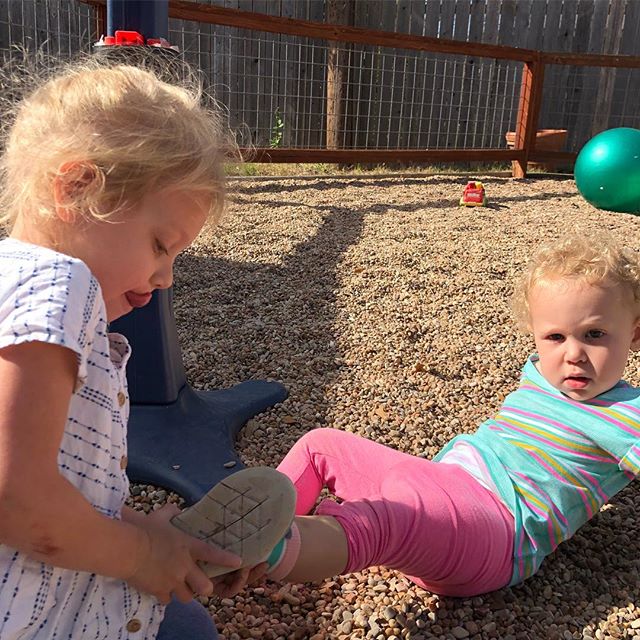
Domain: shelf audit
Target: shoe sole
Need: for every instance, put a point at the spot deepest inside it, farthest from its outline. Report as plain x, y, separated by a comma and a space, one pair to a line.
247, 513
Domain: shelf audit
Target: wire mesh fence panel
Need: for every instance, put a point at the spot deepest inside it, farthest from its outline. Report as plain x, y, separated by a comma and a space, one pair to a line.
57, 28
609, 94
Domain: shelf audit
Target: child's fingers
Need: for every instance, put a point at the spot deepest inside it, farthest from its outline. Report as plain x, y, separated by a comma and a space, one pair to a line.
257, 572
183, 593
199, 583
163, 598
213, 555
226, 586
166, 512
239, 579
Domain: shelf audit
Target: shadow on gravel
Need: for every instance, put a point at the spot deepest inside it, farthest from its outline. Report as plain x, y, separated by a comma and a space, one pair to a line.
249, 320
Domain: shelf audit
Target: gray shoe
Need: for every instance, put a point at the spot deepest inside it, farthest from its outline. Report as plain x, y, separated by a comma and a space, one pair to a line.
247, 513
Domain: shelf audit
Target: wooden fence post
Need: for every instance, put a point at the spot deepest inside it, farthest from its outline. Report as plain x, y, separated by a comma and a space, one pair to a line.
101, 22
528, 110
338, 12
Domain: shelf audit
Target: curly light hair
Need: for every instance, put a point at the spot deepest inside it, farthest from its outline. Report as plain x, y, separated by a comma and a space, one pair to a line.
593, 259
122, 125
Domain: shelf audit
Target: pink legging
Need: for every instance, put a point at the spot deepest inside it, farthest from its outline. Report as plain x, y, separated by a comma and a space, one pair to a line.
434, 522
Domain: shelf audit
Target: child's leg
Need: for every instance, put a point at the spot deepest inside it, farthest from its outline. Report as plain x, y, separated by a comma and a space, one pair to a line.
351, 467
432, 521
342, 462
190, 620
324, 550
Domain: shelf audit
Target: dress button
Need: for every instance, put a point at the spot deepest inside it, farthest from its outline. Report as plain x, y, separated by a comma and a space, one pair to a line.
121, 398
123, 462
134, 625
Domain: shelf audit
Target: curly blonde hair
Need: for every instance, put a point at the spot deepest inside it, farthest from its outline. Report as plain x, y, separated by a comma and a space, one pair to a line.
132, 132
594, 259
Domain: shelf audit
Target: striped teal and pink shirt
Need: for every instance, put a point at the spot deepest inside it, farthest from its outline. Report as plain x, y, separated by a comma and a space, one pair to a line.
555, 461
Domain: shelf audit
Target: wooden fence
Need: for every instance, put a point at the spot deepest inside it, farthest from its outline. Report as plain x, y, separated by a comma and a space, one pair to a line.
381, 82
267, 76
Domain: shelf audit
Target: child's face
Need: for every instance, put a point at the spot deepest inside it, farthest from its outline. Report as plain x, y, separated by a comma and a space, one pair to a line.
133, 253
583, 334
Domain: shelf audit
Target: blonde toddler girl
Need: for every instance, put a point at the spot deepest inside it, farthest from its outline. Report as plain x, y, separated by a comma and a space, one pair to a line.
108, 173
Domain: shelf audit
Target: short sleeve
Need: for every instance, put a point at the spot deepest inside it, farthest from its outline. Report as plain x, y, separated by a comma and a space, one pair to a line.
54, 299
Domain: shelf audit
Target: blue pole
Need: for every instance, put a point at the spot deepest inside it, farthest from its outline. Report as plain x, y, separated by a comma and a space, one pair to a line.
149, 18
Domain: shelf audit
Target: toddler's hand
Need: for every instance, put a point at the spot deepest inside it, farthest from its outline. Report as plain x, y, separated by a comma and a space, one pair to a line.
169, 563
227, 585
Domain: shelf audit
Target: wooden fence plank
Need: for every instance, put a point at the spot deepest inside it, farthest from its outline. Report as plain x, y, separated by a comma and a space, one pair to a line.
304, 70
5, 39
554, 108
509, 85
429, 97
59, 45
245, 85
494, 77
444, 78
387, 63
491, 23
626, 104
376, 65
475, 123
338, 12
289, 67
550, 37
404, 72
611, 44
534, 36
416, 20
597, 12
313, 80
459, 115
16, 22
576, 123
415, 75
404, 155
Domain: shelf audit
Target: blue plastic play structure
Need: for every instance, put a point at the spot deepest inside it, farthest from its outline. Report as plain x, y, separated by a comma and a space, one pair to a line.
178, 438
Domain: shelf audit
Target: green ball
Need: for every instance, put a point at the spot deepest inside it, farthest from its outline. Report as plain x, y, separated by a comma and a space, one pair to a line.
607, 170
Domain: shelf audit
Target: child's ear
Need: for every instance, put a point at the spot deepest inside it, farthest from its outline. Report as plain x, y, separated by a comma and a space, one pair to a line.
635, 339
70, 185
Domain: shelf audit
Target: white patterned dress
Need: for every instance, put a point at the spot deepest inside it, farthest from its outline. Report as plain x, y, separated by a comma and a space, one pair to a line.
50, 297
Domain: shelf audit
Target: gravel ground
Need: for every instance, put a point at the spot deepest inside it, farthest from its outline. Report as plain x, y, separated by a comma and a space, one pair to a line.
383, 307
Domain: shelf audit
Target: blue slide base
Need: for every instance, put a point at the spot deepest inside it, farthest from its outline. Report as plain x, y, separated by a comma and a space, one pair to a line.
183, 446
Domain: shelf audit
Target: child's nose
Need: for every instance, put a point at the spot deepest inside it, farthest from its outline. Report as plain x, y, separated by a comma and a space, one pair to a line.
574, 350
163, 278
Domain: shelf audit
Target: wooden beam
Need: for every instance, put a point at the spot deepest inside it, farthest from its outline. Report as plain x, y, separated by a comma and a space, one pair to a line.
338, 12
402, 155
101, 22
528, 111
374, 156
591, 60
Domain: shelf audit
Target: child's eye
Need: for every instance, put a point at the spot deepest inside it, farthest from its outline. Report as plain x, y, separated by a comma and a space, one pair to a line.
555, 337
160, 248
594, 334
